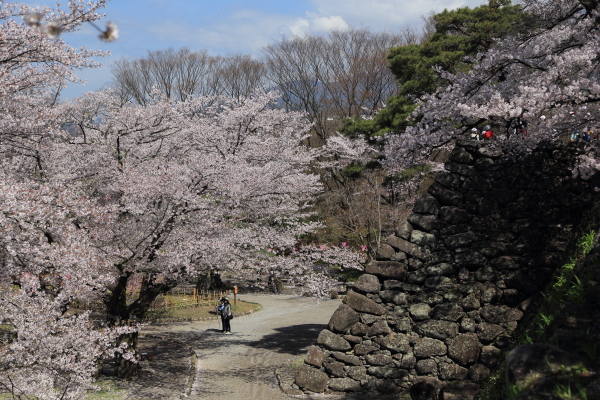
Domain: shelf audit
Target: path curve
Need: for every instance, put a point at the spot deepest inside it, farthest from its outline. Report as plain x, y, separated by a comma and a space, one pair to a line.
242, 365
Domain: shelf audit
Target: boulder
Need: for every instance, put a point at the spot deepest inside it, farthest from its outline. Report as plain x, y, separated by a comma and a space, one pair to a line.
315, 356
335, 368
461, 156
467, 325
361, 303
445, 196
488, 332
470, 259
439, 283
500, 314
464, 349
332, 341
419, 312
422, 239
425, 223
470, 303
378, 359
378, 328
448, 312
396, 342
386, 372
449, 180
408, 361
427, 204
407, 247
312, 379
387, 269
486, 274
490, 356
460, 169
478, 373
343, 319
427, 347
435, 329
453, 371
404, 229
427, 366
344, 385
393, 296
346, 358
440, 269
367, 283
460, 240
359, 329
385, 252
362, 349
357, 372
454, 216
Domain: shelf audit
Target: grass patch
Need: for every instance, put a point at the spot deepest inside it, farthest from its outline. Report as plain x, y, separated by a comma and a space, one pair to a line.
108, 390
202, 311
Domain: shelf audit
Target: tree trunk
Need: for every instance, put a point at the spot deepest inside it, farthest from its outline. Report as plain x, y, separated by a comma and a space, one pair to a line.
275, 284
124, 368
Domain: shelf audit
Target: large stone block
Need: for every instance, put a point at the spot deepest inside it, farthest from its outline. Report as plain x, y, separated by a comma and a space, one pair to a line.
315, 356
332, 341
427, 347
470, 260
363, 304
427, 204
357, 372
427, 366
490, 355
460, 240
449, 180
439, 283
386, 372
461, 169
424, 222
438, 329
500, 314
312, 379
407, 247
419, 312
346, 358
445, 196
488, 332
453, 371
464, 349
387, 269
343, 319
378, 359
461, 156
454, 216
478, 373
423, 239
379, 328
344, 385
448, 312
396, 342
404, 229
335, 368
359, 329
393, 296
367, 283
362, 349
385, 252
440, 269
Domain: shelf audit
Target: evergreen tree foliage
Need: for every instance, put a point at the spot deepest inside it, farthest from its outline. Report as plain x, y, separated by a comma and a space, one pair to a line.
459, 35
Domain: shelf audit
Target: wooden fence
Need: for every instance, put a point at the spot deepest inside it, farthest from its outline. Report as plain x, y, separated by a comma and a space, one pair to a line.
187, 298
175, 298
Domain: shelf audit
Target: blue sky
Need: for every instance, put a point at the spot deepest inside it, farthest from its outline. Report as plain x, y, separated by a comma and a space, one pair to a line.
227, 27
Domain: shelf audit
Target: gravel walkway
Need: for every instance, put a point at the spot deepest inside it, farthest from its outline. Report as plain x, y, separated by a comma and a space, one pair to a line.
243, 365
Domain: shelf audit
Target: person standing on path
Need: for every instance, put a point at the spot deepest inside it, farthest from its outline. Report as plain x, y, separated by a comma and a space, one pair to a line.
226, 315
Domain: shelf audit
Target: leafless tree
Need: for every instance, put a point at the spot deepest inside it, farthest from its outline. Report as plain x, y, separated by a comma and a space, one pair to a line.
343, 74
182, 73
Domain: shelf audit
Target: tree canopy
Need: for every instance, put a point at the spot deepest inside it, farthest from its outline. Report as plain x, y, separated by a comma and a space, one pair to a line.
459, 35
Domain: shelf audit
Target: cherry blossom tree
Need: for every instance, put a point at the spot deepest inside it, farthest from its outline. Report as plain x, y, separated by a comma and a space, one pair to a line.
48, 253
547, 77
201, 185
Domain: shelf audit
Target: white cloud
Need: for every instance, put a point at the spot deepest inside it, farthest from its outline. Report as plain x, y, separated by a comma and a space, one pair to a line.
386, 14
324, 24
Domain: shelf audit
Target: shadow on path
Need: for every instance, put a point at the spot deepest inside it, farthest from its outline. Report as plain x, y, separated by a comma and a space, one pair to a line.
293, 340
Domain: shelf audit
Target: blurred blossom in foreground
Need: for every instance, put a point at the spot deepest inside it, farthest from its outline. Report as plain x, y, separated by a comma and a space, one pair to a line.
33, 19
52, 30
111, 33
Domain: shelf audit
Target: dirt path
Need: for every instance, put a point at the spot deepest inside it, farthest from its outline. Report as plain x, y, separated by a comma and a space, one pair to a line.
242, 365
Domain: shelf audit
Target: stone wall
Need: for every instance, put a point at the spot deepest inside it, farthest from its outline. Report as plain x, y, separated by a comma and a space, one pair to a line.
447, 290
